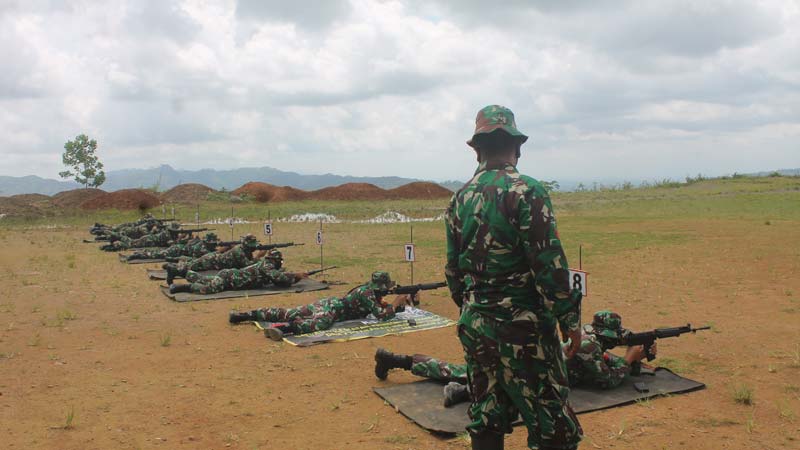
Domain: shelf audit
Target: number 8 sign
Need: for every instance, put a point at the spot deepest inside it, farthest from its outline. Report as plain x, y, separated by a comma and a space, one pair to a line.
578, 279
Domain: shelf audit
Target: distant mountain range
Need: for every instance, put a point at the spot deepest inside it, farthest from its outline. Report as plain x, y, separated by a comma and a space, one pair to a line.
166, 177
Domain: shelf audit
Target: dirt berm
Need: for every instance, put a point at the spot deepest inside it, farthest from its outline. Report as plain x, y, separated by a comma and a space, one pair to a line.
73, 199
123, 199
186, 193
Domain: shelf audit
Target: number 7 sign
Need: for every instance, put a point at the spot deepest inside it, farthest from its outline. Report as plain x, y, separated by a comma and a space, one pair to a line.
578, 279
409, 253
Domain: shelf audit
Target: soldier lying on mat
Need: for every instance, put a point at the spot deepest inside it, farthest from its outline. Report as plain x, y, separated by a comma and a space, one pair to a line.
193, 248
236, 257
593, 365
359, 303
263, 273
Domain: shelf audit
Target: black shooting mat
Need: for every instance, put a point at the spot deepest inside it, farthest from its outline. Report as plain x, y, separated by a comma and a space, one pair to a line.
161, 274
124, 258
408, 321
423, 401
304, 285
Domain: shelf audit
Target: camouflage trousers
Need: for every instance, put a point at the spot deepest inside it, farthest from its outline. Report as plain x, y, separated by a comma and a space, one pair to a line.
517, 368
436, 369
160, 253
224, 280
302, 319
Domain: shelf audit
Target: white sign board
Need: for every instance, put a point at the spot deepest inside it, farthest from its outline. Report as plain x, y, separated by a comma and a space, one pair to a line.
230, 222
410, 253
268, 229
319, 237
578, 279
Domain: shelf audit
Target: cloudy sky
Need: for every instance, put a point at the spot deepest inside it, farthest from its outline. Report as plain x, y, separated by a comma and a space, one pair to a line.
605, 89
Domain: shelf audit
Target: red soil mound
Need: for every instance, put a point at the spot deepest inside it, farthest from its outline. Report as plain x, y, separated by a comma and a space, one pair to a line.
73, 199
123, 199
30, 198
186, 193
14, 207
264, 192
352, 191
420, 190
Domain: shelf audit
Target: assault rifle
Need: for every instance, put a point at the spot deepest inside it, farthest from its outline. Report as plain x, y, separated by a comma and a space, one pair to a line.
316, 271
186, 230
648, 338
259, 246
411, 290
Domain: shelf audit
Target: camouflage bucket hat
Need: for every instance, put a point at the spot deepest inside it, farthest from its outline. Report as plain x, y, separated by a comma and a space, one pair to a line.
381, 280
250, 241
607, 324
211, 237
274, 254
496, 117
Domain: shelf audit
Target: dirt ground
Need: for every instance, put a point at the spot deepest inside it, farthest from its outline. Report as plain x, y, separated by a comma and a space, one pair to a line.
92, 356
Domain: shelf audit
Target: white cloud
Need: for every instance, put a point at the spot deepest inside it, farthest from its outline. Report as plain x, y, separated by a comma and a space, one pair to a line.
604, 89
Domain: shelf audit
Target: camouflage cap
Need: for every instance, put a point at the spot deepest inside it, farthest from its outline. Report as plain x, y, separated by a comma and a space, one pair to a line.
607, 324
496, 117
381, 280
211, 237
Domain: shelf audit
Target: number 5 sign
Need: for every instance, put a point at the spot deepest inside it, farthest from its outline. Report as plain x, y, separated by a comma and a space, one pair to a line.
319, 237
578, 279
409, 253
268, 229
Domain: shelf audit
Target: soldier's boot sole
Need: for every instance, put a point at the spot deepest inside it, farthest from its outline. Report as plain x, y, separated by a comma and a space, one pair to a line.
274, 333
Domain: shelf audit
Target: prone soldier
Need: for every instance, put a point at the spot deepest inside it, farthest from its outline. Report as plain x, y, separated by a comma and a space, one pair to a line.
359, 303
235, 257
193, 248
593, 365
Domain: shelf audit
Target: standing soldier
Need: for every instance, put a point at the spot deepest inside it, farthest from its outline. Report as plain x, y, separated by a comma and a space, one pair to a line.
507, 272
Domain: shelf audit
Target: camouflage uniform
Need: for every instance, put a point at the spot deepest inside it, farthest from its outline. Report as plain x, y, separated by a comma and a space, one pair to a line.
254, 276
359, 303
162, 239
194, 248
508, 272
593, 365
436, 369
236, 258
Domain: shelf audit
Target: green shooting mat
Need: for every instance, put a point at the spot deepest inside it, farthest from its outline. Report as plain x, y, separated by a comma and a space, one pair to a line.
423, 401
161, 274
408, 321
304, 285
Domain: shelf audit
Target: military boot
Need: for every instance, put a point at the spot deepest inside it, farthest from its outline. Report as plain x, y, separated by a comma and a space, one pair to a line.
175, 288
238, 317
276, 330
487, 440
172, 272
455, 393
385, 360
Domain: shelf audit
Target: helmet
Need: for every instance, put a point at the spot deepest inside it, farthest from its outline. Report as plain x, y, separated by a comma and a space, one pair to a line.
606, 324
380, 280
496, 117
211, 237
250, 241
